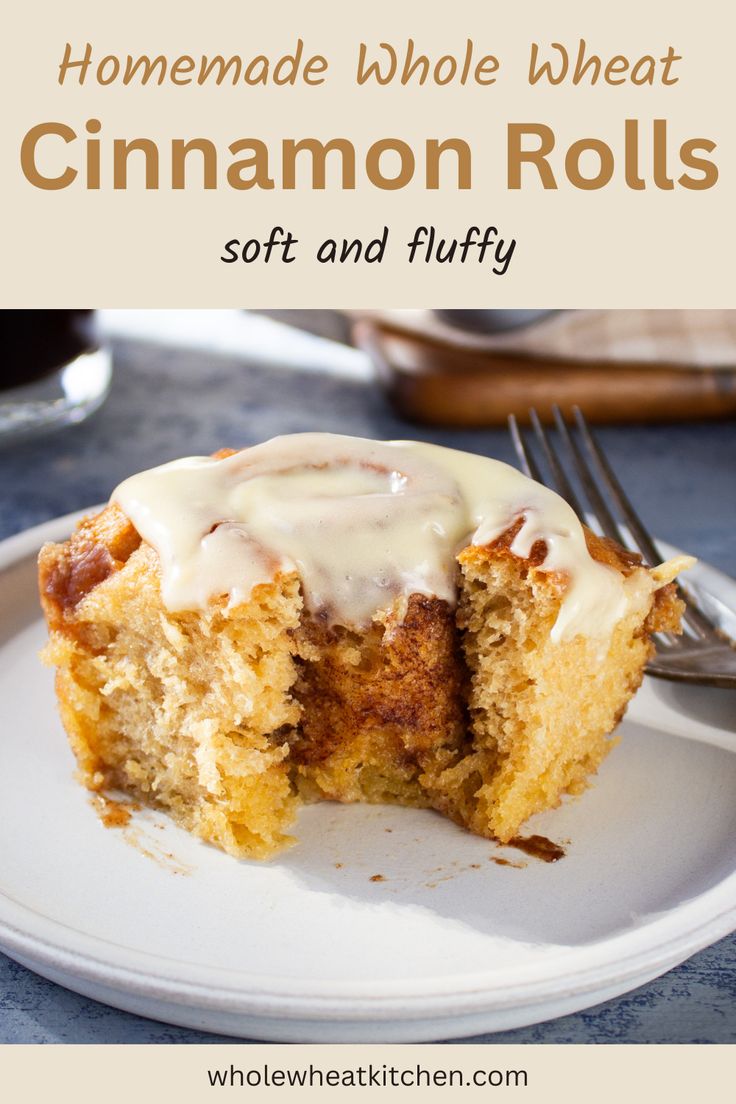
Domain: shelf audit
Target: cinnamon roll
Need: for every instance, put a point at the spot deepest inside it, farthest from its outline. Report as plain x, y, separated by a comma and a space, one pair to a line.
325, 617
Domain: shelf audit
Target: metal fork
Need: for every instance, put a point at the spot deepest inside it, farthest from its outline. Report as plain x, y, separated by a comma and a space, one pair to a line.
703, 654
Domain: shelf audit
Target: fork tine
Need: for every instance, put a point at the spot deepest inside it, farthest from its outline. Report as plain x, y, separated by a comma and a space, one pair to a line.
634, 523
525, 457
704, 631
564, 486
607, 521
695, 618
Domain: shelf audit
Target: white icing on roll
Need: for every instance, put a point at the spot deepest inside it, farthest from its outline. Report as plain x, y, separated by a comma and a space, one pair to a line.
363, 523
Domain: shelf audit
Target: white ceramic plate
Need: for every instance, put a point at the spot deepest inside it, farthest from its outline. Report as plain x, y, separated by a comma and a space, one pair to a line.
308, 947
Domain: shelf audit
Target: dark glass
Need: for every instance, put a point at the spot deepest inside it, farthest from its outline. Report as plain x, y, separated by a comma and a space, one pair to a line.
35, 343
53, 370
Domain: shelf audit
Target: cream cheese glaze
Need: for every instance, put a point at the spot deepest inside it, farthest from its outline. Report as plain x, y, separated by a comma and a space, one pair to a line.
363, 523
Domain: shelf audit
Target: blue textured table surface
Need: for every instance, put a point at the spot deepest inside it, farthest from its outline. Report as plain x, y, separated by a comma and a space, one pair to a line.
166, 403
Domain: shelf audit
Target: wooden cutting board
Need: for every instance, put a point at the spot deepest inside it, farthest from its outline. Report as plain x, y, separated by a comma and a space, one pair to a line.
445, 382
619, 366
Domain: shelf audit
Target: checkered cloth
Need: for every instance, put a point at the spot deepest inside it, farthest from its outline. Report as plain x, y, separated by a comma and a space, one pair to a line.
683, 338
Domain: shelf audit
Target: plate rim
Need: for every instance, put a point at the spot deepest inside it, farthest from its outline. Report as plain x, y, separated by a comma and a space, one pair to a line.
455, 995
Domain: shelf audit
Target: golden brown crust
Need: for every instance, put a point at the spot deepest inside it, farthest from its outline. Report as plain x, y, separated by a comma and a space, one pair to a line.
667, 607
666, 612
502, 545
611, 553
100, 545
602, 549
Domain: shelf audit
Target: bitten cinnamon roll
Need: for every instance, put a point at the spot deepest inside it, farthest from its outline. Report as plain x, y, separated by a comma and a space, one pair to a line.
326, 617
